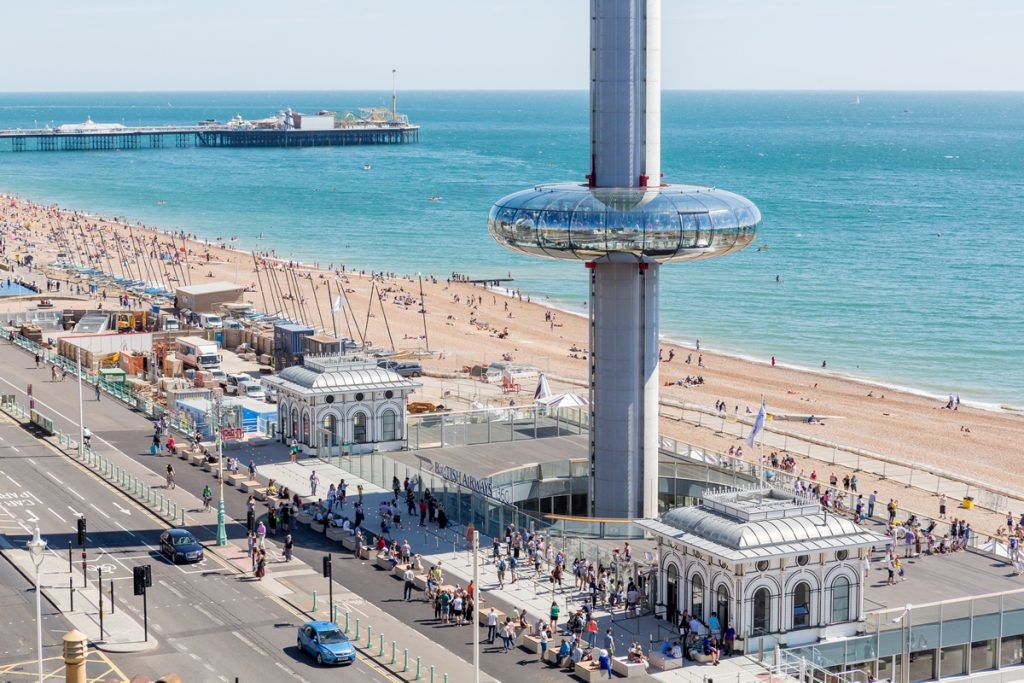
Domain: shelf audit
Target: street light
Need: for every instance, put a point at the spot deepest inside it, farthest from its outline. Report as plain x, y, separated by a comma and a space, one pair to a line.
904, 621
37, 546
222, 533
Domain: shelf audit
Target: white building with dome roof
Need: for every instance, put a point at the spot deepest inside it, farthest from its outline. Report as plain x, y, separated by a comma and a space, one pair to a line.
341, 404
770, 562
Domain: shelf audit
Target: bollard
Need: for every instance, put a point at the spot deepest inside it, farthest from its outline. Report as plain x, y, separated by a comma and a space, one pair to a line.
346, 621
334, 613
357, 630
369, 637
405, 659
381, 652
314, 601
183, 516
161, 504
394, 650
71, 591
431, 673
446, 678
417, 669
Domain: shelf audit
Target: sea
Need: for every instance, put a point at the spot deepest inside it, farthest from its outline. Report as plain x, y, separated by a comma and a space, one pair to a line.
890, 246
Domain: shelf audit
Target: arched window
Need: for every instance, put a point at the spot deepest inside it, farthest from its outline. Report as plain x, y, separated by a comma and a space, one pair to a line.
697, 597
840, 600
802, 605
762, 611
388, 423
722, 606
672, 591
305, 428
330, 430
359, 427
295, 423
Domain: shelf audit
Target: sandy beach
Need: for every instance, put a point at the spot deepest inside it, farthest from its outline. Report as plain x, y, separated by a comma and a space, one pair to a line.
464, 324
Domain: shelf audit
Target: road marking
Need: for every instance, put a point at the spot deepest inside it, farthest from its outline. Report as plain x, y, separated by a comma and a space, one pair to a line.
242, 638
54, 513
172, 589
80, 496
75, 512
12, 481
209, 616
124, 510
31, 516
15, 449
130, 533
53, 476
93, 506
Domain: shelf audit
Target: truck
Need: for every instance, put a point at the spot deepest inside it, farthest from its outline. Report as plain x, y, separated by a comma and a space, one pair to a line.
210, 321
196, 352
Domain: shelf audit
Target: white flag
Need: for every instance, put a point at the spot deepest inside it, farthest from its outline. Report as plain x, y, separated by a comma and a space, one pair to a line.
758, 425
339, 304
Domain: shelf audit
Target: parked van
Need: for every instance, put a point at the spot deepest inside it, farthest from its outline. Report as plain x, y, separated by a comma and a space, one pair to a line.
210, 321
251, 389
196, 352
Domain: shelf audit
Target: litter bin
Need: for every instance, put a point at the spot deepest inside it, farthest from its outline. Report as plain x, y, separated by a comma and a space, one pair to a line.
967, 503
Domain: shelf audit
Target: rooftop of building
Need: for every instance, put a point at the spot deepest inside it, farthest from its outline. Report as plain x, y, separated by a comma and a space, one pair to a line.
331, 373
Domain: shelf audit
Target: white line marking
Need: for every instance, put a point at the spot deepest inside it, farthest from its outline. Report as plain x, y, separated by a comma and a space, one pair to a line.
54, 513
80, 496
31, 516
209, 616
15, 449
12, 481
53, 476
124, 510
130, 532
32, 460
93, 506
75, 512
172, 589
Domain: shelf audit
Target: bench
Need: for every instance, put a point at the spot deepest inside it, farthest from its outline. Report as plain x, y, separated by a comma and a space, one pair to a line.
233, 479
699, 656
383, 562
531, 643
245, 485
183, 454
660, 661
208, 466
304, 518
260, 492
589, 671
196, 459
628, 669
336, 533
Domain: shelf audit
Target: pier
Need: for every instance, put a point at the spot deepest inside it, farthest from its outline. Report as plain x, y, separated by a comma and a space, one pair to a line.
159, 137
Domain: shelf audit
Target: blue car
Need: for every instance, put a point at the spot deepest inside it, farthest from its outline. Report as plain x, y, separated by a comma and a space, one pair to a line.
326, 642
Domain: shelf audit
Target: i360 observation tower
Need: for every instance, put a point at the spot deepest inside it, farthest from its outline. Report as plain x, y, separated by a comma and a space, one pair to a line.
623, 223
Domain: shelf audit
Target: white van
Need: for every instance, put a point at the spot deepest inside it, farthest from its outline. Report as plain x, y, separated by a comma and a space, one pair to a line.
210, 321
252, 389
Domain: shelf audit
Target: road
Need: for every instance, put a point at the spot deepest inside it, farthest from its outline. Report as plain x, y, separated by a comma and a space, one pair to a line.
197, 612
114, 426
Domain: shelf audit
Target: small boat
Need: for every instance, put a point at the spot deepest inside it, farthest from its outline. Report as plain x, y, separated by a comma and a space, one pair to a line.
367, 167
434, 199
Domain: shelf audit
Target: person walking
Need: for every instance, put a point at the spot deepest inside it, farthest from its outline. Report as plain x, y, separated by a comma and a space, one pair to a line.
314, 481
170, 476
252, 469
608, 643
207, 497
289, 545
261, 565
97, 389
492, 626
410, 583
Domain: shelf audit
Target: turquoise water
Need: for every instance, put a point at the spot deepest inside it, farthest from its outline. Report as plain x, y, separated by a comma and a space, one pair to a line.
891, 225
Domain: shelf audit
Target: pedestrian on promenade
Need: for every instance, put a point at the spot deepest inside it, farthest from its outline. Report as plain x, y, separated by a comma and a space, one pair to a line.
207, 497
871, 504
293, 450
492, 626
97, 389
261, 565
314, 481
251, 538
261, 535
252, 469
53, 372
39, 358
289, 544
410, 583
608, 643
170, 476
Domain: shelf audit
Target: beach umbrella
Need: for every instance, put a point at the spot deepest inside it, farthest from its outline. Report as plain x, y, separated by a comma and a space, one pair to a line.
565, 401
543, 389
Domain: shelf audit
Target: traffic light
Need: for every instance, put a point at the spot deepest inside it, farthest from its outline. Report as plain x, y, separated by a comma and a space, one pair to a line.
142, 578
81, 531
327, 566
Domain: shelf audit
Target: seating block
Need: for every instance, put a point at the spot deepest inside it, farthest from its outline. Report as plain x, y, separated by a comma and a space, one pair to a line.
336, 533
196, 459
247, 485
318, 527
589, 671
483, 616
628, 669
304, 517
699, 656
664, 663
260, 492
234, 479
531, 643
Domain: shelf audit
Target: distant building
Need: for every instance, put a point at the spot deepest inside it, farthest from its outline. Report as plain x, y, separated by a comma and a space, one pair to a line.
336, 404
767, 561
204, 298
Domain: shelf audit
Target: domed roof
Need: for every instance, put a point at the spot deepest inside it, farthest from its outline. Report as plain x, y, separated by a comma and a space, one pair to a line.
732, 533
341, 380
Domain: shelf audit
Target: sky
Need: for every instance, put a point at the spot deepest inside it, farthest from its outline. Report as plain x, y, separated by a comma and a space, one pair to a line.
146, 45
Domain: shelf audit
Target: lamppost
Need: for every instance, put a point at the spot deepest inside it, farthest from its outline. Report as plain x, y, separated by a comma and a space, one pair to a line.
222, 533
37, 546
478, 597
904, 621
